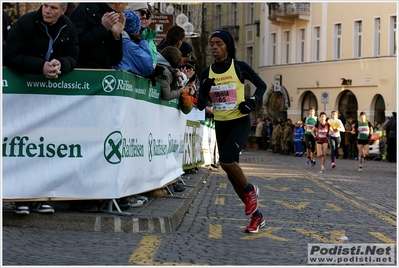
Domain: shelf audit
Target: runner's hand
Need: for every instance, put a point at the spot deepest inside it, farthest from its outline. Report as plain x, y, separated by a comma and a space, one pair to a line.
206, 87
247, 106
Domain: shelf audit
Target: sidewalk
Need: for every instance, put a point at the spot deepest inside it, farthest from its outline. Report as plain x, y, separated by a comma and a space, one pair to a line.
160, 214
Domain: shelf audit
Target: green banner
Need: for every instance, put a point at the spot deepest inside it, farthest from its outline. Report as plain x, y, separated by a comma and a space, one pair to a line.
86, 82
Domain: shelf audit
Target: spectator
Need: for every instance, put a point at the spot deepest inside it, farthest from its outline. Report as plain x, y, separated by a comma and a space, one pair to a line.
391, 138
287, 138
258, 133
25, 52
146, 32
136, 55
186, 51
265, 137
223, 84
298, 138
174, 37
169, 59
343, 136
6, 27
99, 27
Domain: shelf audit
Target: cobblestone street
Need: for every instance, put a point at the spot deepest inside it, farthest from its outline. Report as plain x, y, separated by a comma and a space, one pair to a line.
301, 206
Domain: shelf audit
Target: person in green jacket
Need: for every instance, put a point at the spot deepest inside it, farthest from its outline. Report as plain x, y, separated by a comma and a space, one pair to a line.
146, 32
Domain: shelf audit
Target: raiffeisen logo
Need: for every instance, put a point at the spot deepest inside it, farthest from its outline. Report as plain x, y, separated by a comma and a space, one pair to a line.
110, 83
173, 145
117, 147
153, 93
156, 147
18, 146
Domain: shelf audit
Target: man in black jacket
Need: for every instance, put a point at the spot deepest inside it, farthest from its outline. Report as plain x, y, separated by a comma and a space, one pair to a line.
99, 27
391, 138
43, 42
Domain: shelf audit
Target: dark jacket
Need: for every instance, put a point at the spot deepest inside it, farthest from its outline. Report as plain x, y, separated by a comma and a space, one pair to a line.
98, 48
163, 45
28, 43
391, 128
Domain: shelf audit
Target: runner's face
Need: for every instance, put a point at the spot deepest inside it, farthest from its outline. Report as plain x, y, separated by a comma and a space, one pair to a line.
218, 49
322, 118
334, 115
311, 112
362, 117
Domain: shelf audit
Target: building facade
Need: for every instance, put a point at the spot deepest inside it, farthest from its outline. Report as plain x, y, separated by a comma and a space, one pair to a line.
332, 56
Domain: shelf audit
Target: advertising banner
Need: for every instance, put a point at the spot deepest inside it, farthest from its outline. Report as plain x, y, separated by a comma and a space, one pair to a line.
90, 134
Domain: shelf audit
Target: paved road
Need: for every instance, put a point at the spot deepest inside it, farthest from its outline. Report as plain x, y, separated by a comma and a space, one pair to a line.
301, 206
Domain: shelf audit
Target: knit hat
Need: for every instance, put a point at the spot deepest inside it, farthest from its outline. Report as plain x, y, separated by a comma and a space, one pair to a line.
133, 23
137, 6
186, 49
227, 39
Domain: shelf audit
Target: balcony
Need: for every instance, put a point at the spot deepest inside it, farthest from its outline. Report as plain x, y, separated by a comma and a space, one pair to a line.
233, 29
288, 12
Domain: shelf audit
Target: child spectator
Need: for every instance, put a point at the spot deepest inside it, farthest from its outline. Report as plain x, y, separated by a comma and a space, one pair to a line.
170, 58
298, 138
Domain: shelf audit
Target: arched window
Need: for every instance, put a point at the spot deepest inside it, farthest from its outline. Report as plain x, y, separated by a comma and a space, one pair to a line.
275, 106
309, 100
379, 110
348, 106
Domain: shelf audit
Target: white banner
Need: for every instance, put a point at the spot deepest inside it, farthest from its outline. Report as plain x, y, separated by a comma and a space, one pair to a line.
88, 146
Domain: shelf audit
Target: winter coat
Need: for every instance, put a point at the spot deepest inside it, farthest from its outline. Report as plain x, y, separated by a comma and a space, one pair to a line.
150, 35
167, 79
28, 44
136, 57
98, 47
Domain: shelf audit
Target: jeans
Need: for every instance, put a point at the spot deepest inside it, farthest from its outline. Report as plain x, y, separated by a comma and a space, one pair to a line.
334, 143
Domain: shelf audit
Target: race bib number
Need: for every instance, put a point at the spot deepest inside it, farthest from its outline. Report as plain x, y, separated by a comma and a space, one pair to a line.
224, 97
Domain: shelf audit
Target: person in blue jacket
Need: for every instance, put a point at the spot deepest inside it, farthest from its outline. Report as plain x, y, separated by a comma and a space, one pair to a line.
136, 54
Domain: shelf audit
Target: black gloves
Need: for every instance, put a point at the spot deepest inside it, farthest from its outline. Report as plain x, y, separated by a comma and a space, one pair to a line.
206, 87
247, 106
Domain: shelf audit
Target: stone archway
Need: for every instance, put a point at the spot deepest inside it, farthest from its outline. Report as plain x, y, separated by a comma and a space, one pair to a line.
277, 102
348, 106
309, 100
379, 109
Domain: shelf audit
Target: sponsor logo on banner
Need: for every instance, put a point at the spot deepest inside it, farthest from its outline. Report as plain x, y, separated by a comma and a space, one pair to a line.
18, 146
110, 83
117, 147
157, 147
153, 93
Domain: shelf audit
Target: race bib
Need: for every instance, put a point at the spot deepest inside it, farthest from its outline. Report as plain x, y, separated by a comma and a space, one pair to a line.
224, 97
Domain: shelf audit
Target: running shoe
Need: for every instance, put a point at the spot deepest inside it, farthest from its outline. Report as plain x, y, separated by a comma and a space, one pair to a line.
251, 200
323, 168
255, 223
360, 168
314, 162
333, 165
308, 162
